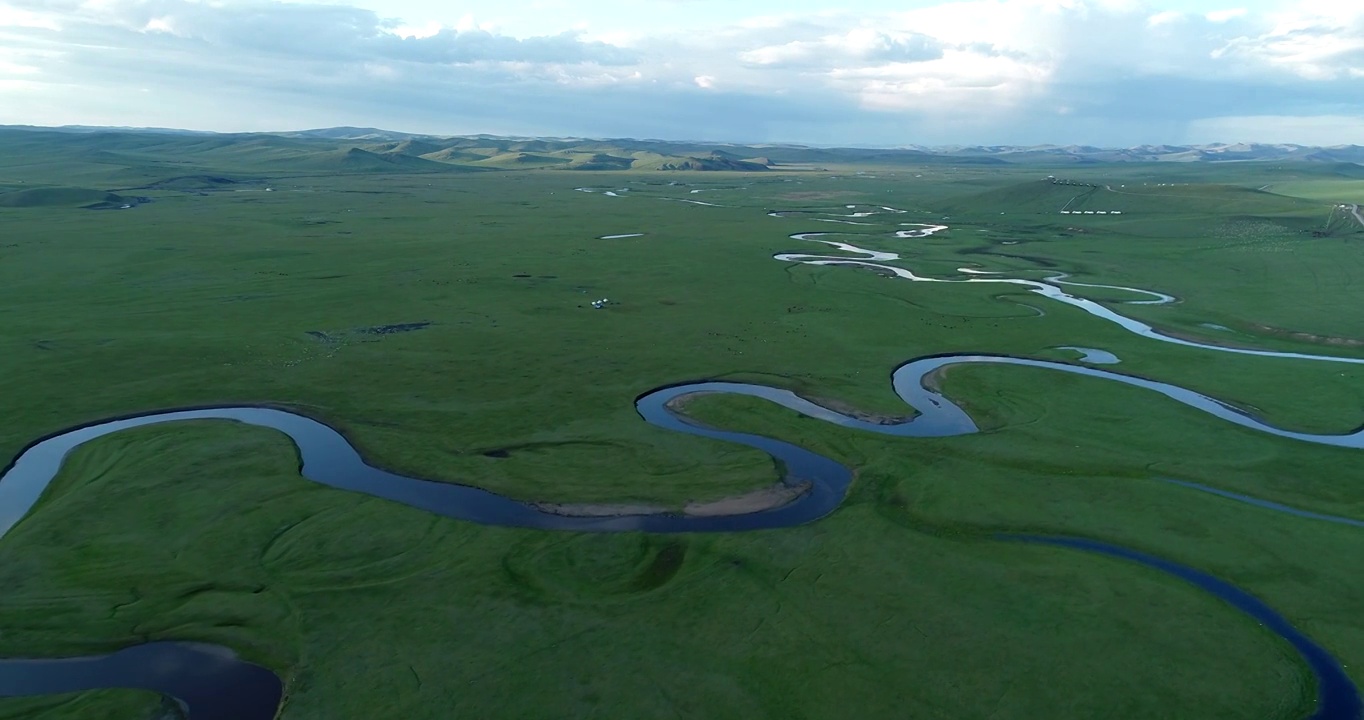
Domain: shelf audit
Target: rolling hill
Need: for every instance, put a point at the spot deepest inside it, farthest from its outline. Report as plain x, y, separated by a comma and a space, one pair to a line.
134, 158
522, 160
69, 197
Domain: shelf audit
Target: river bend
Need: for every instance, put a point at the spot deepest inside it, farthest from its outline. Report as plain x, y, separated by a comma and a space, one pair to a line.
215, 685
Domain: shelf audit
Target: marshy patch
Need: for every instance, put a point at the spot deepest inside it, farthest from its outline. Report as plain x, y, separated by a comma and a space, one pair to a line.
334, 341
121, 203
818, 195
396, 328
198, 183
67, 197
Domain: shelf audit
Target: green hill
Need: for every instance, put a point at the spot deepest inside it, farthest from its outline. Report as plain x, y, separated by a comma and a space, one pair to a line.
412, 148
60, 197
713, 163
522, 160
1348, 170
532, 146
453, 155
358, 160
193, 183
601, 161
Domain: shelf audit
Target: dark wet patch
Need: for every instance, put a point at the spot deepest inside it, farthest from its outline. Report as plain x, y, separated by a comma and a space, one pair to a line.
520, 275
394, 329
549, 277
663, 568
329, 277
498, 454
1040, 262
549, 445
126, 203
191, 183
44, 345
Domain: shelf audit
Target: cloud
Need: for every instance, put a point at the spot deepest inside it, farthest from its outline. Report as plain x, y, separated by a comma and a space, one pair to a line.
327, 32
1309, 42
1166, 17
1221, 16
861, 46
994, 71
15, 17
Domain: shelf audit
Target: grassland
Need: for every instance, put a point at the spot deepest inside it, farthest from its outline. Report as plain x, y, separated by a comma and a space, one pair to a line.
900, 604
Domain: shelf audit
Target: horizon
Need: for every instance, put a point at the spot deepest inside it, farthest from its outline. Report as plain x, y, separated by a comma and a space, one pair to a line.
1104, 73
680, 140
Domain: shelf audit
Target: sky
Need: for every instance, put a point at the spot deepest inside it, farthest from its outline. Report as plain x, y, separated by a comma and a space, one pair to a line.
865, 73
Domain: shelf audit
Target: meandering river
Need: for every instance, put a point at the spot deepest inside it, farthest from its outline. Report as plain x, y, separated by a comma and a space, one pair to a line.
877, 259
213, 684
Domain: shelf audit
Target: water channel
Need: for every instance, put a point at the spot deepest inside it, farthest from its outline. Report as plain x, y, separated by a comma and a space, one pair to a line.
212, 683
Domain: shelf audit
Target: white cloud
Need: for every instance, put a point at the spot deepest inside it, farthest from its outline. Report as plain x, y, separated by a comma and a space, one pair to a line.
15, 17
1309, 41
993, 70
334, 32
862, 46
13, 68
415, 31
1166, 17
159, 24
1221, 16
962, 81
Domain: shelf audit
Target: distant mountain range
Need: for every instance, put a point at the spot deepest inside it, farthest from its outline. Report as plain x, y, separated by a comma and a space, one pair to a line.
785, 152
1216, 152
352, 149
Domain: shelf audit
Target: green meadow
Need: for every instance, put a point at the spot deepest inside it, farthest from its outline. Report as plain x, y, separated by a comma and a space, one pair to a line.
439, 315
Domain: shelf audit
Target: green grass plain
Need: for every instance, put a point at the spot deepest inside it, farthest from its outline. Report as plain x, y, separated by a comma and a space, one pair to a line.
898, 605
